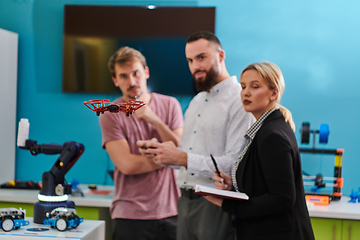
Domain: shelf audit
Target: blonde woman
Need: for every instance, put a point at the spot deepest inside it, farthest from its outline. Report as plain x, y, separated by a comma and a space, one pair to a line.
269, 169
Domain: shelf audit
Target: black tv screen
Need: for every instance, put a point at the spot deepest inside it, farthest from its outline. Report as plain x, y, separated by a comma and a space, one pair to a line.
93, 33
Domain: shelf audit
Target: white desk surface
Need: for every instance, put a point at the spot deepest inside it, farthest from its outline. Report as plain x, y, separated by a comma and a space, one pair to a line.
89, 200
87, 230
341, 209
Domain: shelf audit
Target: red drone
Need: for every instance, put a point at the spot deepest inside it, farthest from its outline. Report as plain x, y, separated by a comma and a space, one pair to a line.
98, 106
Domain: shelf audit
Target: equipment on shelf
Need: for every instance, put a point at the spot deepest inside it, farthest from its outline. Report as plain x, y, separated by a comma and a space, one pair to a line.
12, 218
319, 181
54, 192
17, 184
354, 196
63, 218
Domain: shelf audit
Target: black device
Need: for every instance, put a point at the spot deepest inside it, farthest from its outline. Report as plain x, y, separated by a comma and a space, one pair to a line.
54, 189
21, 185
92, 33
319, 181
217, 170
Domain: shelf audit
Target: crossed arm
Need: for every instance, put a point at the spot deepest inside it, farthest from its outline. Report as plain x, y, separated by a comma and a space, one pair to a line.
131, 164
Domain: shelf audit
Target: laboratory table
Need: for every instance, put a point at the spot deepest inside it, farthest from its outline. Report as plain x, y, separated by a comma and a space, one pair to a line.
98, 201
341, 210
87, 230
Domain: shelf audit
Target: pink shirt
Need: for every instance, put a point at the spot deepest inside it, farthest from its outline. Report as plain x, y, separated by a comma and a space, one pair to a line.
150, 195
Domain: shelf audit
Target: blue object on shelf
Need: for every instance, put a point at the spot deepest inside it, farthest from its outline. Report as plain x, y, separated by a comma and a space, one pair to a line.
324, 133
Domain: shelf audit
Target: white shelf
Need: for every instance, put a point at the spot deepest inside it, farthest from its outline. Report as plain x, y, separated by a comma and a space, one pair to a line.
341, 209
30, 196
87, 230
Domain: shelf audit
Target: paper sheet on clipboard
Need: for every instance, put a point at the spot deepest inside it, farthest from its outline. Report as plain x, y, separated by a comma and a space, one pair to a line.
203, 190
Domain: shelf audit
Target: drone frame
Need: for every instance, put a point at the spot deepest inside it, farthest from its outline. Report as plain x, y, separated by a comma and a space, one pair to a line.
103, 105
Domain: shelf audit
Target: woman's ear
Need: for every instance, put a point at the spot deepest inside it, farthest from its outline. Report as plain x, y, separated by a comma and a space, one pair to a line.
275, 94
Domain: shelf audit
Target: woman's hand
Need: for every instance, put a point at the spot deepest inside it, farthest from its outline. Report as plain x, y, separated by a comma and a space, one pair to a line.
224, 182
214, 200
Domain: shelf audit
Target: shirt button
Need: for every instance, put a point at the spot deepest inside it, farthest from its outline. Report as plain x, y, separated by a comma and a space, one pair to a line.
198, 115
190, 148
194, 131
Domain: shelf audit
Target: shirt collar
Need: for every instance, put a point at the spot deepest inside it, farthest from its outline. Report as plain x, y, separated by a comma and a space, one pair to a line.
256, 126
223, 85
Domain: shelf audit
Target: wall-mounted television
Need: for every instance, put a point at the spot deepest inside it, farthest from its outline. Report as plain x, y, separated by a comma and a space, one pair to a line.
92, 33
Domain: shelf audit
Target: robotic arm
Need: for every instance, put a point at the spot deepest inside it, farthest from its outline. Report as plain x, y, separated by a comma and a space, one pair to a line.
55, 190
53, 181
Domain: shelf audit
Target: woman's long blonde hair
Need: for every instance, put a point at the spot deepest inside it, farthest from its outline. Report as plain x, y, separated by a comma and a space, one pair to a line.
271, 73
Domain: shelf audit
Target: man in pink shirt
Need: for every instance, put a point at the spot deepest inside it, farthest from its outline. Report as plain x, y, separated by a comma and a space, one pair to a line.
146, 194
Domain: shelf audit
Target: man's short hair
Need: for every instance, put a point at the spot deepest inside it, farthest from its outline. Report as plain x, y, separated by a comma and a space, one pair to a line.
205, 35
124, 56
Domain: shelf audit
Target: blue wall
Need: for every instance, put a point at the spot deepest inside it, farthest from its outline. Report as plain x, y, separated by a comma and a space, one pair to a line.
315, 43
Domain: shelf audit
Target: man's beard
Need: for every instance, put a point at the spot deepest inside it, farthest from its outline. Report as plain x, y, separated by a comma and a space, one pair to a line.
134, 97
209, 81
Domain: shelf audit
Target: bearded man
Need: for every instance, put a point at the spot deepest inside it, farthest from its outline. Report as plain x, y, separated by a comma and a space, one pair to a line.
215, 123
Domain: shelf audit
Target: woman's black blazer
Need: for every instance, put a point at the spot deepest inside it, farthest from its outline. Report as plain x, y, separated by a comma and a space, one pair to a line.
271, 175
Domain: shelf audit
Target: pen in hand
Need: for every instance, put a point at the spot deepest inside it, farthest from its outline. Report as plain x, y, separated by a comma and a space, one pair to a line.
217, 170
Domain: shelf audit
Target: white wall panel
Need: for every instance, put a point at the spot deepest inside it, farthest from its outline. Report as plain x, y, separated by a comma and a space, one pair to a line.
8, 86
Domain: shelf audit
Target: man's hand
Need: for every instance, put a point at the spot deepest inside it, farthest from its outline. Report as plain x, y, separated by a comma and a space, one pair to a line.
166, 134
125, 161
147, 114
144, 145
165, 153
